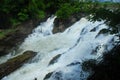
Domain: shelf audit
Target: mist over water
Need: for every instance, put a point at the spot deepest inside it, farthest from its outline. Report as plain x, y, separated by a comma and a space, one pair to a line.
61, 54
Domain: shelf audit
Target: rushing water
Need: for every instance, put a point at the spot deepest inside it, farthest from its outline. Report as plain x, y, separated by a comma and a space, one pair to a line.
60, 55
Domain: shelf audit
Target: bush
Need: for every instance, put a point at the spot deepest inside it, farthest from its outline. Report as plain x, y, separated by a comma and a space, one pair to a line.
65, 11
41, 14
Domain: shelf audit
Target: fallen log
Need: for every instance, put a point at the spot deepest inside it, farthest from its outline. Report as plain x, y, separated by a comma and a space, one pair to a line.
15, 63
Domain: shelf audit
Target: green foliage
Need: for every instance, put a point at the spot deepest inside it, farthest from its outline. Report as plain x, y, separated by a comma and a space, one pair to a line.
3, 33
22, 16
41, 14
65, 11
111, 17
21, 10
14, 12
14, 22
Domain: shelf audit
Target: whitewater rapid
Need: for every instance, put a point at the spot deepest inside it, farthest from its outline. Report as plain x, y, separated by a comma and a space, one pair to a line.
61, 54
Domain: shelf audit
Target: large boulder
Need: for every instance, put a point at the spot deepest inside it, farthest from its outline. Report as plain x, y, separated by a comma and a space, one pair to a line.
15, 63
61, 24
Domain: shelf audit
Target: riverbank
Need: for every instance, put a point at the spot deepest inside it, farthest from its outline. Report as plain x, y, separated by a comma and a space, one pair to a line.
11, 40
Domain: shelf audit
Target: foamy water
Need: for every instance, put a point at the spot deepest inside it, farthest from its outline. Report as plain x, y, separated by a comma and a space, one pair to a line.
79, 42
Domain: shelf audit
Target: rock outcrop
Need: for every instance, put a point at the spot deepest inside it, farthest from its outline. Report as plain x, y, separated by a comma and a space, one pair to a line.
62, 24
14, 39
15, 63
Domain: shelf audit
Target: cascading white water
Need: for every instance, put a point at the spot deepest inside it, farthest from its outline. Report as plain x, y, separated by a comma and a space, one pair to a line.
61, 54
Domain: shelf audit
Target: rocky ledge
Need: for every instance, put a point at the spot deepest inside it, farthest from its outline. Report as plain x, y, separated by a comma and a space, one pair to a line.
15, 63
14, 39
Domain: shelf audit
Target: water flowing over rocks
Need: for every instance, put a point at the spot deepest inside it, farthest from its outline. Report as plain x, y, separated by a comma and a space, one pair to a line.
48, 75
108, 68
12, 40
15, 63
66, 73
59, 56
54, 59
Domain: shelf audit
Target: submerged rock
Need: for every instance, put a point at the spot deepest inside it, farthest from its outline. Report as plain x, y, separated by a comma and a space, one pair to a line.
103, 31
57, 76
15, 63
73, 64
54, 59
48, 75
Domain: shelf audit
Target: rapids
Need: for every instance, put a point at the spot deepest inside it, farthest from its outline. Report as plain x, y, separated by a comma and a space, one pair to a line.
61, 54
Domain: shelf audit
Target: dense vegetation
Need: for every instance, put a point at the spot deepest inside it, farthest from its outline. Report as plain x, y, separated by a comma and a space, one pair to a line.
14, 12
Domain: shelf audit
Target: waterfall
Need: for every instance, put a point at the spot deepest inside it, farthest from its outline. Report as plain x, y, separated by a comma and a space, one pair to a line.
59, 56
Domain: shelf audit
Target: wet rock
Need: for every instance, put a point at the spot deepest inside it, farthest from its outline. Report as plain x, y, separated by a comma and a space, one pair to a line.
54, 59
84, 31
48, 75
15, 63
93, 30
89, 65
12, 40
35, 79
71, 71
58, 76
103, 31
73, 64
108, 68
62, 24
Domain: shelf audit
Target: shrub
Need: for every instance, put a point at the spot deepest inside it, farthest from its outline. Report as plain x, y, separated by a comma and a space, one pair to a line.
65, 10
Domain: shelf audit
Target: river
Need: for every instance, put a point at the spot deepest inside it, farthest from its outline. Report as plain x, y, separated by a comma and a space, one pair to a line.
60, 55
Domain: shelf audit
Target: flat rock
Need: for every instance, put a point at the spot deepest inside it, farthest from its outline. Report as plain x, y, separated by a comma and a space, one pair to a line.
15, 63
